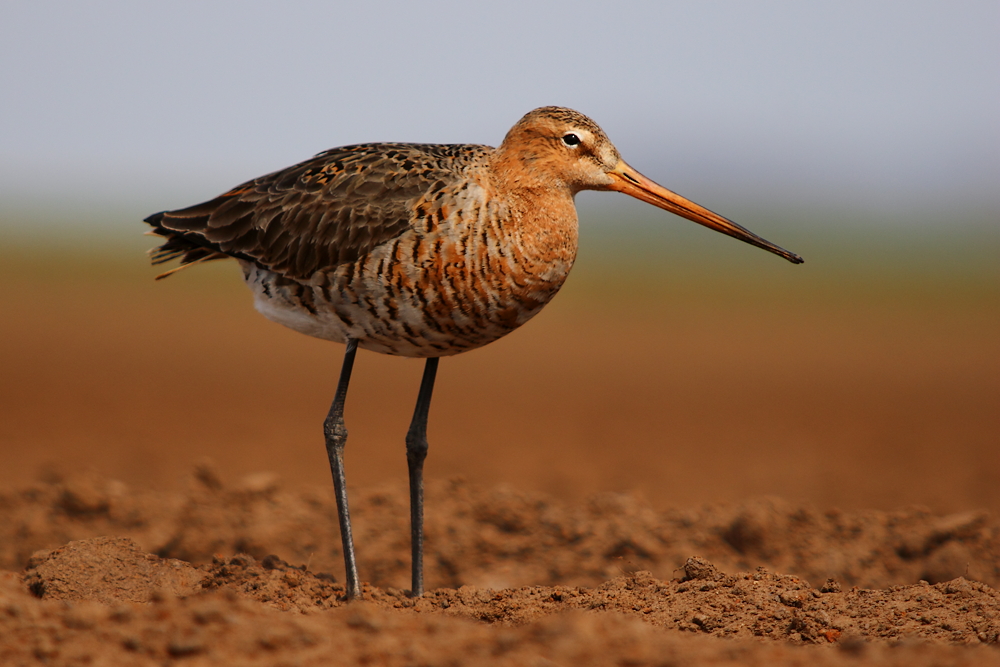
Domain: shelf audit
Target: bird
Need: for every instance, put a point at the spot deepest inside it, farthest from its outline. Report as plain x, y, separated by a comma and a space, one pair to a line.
415, 250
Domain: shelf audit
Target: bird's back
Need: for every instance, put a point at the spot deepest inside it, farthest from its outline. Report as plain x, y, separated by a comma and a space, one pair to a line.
317, 214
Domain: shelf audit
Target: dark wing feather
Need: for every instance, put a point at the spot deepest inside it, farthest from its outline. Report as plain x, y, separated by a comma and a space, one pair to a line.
329, 210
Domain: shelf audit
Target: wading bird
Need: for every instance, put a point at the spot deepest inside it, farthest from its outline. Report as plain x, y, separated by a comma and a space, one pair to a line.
416, 250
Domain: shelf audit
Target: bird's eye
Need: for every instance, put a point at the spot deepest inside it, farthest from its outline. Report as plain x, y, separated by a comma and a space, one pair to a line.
571, 140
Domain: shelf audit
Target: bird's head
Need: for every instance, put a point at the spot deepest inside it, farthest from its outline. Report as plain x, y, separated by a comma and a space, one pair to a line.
558, 148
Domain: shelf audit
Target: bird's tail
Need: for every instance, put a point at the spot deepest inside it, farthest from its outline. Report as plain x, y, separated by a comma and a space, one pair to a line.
177, 246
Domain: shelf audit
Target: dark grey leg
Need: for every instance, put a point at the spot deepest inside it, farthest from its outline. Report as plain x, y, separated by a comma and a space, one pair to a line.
336, 438
416, 452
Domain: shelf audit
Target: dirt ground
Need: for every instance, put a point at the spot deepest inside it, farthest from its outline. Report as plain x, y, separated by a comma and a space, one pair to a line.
710, 471
246, 574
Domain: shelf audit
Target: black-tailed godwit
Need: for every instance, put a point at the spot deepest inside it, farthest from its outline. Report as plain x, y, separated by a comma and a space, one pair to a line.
417, 250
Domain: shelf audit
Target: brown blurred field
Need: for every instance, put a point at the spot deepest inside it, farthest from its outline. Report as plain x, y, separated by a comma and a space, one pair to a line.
693, 378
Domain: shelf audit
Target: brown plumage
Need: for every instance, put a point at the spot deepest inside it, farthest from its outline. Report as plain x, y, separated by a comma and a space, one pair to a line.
419, 250
323, 212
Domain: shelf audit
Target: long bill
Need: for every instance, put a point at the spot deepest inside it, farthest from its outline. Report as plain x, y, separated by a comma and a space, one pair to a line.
626, 179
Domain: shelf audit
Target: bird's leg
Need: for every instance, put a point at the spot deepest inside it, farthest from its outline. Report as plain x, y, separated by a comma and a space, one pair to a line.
336, 438
416, 452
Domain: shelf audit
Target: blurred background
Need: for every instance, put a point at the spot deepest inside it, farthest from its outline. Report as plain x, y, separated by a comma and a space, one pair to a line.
676, 362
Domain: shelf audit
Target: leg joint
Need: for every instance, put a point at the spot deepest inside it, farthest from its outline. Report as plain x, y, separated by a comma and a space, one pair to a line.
335, 433
416, 446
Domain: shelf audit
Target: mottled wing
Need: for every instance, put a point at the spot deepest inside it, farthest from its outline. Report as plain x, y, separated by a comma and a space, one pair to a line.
329, 210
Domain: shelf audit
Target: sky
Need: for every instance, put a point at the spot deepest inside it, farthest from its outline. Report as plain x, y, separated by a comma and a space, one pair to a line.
891, 107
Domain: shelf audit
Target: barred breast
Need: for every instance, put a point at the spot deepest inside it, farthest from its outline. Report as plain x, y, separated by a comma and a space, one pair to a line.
469, 271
